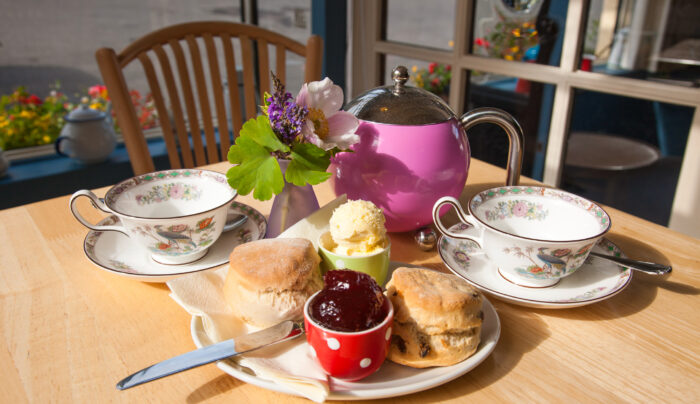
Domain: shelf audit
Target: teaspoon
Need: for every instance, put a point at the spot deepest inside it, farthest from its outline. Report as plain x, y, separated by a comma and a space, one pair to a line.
235, 222
642, 266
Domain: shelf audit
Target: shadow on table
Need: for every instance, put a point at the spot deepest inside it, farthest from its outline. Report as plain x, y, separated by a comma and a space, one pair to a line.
521, 332
639, 294
213, 388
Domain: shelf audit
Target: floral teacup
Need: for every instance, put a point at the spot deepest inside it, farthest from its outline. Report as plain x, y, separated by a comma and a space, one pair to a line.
176, 214
534, 235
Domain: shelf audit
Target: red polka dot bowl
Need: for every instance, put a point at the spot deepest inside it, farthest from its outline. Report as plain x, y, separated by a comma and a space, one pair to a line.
349, 356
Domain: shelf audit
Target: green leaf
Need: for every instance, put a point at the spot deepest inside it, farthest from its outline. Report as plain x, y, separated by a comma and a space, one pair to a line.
308, 165
259, 130
257, 169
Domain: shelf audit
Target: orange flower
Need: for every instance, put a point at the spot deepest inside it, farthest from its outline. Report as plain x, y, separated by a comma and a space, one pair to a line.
204, 223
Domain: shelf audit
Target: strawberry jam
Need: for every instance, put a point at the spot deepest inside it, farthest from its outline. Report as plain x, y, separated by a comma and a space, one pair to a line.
350, 301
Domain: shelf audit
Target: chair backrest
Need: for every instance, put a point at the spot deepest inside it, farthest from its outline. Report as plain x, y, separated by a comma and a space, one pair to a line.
191, 73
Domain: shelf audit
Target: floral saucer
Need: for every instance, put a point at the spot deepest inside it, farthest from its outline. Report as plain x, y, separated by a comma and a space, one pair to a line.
596, 280
115, 252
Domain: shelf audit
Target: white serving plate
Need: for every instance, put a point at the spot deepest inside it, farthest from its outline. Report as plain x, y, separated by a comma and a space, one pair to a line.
390, 380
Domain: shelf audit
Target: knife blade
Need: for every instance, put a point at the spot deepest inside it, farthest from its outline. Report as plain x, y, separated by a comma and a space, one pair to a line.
283, 331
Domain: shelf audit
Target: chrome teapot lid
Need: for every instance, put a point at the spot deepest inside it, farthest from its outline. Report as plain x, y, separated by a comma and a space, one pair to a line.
399, 104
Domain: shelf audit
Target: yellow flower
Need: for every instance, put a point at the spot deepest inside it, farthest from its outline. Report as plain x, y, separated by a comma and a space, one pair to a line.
46, 139
451, 43
43, 123
514, 49
414, 68
508, 57
3, 121
320, 122
26, 114
96, 105
11, 131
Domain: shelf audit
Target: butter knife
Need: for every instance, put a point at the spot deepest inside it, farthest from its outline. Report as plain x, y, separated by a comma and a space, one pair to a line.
283, 331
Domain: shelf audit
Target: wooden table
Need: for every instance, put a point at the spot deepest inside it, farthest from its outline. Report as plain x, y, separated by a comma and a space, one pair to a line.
70, 331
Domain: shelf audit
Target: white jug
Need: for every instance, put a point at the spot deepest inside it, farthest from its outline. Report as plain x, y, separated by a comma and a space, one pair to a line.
87, 136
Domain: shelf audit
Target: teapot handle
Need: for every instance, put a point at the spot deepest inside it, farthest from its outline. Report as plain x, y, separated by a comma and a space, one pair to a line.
57, 146
512, 129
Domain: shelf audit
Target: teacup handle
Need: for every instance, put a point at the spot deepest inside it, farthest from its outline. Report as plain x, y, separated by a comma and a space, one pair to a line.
463, 216
96, 202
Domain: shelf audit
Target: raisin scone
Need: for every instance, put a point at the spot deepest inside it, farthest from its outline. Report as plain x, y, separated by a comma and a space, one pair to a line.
437, 318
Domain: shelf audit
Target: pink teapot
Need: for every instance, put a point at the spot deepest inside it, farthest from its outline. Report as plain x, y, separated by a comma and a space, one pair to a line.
413, 150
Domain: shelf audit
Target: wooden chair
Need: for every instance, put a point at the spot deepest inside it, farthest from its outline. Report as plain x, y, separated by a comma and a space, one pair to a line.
194, 96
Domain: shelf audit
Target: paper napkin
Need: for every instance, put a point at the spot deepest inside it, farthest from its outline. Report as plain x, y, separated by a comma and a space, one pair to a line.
287, 364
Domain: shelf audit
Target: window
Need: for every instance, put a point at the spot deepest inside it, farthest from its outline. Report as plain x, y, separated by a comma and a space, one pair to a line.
604, 50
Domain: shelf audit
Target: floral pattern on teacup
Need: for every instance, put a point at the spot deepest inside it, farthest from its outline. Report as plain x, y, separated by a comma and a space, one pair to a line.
179, 239
551, 263
462, 249
517, 208
166, 192
123, 186
592, 208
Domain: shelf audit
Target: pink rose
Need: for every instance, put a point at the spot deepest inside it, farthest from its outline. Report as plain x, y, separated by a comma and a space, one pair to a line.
520, 209
177, 191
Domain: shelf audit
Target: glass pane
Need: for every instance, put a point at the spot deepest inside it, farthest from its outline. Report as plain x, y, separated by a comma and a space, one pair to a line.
519, 30
626, 152
292, 18
422, 23
431, 76
529, 102
39, 49
54, 50
653, 40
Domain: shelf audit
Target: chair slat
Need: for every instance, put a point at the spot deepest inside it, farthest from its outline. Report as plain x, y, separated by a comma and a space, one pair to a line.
175, 106
233, 89
313, 52
185, 115
167, 130
263, 68
192, 118
203, 95
217, 89
113, 76
281, 62
248, 77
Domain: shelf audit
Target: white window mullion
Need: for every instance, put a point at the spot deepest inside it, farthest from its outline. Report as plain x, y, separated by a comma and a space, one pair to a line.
559, 126
684, 211
462, 39
563, 95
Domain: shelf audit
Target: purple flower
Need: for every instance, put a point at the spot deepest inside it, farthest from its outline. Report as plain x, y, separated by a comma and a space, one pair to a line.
286, 117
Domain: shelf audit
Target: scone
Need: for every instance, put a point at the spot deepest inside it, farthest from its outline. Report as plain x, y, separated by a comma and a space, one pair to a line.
437, 318
269, 280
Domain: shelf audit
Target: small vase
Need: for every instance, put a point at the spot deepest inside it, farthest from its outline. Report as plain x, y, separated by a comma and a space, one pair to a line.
291, 205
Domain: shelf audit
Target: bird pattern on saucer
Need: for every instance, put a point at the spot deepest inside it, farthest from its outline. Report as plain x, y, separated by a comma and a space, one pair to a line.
115, 252
596, 280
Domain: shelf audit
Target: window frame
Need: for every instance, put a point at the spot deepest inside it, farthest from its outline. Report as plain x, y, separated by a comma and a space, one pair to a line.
367, 71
